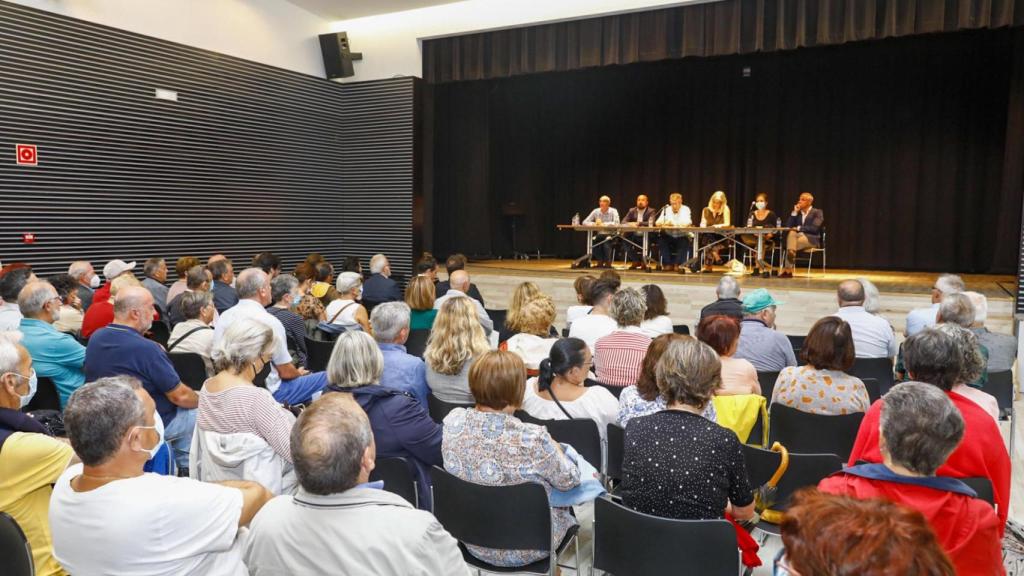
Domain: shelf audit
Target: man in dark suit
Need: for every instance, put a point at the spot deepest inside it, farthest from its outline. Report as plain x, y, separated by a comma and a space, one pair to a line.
455, 263
223, 273
380, 287
639, 215
806, 221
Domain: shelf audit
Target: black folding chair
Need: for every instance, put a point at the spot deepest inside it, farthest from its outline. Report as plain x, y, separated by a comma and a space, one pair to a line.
681, 329
874, 391
398, 478
14, 548
190, 368
878, 368
582, 434
46, 398
498, 318
318, 354
416, 344
767, 381
438, 408
159, 332
708, 546
797, 342
806, 433
565, 332
804, 470
615, 390
516, 517
1000, 385
616, 448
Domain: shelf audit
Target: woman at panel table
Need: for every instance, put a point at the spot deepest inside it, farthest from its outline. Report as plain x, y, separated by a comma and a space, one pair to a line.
761, 217
716, 215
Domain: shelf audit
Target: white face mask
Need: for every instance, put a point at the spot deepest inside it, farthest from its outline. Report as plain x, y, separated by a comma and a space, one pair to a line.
33, 385
760, 205
158, 425
94, 282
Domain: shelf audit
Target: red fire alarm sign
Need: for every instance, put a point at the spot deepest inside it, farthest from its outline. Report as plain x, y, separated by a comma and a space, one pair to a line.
27, 155
28, 238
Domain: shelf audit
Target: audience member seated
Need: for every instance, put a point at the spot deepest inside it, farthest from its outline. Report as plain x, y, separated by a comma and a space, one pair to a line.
676, 463
154, 272
455, 342
379, 287
108, 517
55, 355
197, 279
728, 302
559, 393
872, 335
872, 298
597, 323
402, 371
656, 320
426, 266
195, 335
523, 293
919, 428
458, 262
306, 275
223, 273
644, 398
181, 268
486, 444
11, 283
339, 521
955, 309
308, 266
822, 385
30, 459
284, 291
760, 343
323, 283
819, 530
351, 264
419, 295
932, 357
241, 431
459, 287
722, 333
269, 263
288, 384
311, 310
619, 356
101, 313
71, 316
533, 339
120, 349
88, 281
112, 270
920, 318
345, 311
972, 364
582, 287
402, 427
1002, 348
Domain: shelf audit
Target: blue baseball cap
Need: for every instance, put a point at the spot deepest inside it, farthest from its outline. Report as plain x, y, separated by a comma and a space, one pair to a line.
758, 300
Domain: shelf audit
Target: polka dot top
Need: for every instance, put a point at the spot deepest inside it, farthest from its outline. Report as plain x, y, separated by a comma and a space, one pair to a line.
680, 465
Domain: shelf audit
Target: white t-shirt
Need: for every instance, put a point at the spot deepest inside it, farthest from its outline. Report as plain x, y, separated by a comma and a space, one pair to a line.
577, 311
343, 313
252, 309
597, 404
591, 328
150, 525
656, 326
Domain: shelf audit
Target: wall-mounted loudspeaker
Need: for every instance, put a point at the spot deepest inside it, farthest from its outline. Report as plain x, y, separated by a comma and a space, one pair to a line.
338, 57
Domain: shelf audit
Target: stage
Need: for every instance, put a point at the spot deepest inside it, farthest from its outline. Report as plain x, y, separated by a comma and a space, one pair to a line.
806, 297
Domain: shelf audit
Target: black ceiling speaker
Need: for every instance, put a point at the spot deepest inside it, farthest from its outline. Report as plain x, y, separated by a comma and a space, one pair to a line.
338, 57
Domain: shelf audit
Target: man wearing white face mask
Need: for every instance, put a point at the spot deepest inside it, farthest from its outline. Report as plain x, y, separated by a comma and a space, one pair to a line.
57, 355
88, 281
108, 517
30, 459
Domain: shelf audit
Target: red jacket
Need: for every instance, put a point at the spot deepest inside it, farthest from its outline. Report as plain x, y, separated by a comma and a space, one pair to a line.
981, 453
967, 528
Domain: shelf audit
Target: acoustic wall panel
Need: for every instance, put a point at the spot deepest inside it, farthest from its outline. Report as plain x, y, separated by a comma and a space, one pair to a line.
249, 158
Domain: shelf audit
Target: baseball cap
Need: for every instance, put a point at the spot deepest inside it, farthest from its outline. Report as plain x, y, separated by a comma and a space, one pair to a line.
758, 300
115, 268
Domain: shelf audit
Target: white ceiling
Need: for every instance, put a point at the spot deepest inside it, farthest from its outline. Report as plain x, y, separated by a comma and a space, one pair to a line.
348, 9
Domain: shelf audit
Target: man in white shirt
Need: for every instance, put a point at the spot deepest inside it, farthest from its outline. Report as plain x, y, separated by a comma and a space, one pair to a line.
459, 281
603, 214
288, 384
598, 323
920, 318
872, 335
108, 517
11, 284
675, 215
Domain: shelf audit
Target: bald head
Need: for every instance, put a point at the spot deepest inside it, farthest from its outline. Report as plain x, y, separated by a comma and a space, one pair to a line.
332, 445
459, 280
851, 293
133, 306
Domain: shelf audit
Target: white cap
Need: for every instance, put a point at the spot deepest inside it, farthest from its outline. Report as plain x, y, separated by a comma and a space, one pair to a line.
115, 268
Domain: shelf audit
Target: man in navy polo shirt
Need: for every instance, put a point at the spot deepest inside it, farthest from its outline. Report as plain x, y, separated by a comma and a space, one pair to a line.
120, 349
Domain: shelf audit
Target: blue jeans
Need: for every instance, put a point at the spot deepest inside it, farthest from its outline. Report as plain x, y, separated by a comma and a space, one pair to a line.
300, 390
179, 435
681, 246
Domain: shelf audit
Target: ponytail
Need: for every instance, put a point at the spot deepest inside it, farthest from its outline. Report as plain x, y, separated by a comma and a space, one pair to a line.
546, 376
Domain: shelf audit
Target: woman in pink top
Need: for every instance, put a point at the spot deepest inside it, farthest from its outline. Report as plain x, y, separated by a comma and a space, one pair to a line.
722, 334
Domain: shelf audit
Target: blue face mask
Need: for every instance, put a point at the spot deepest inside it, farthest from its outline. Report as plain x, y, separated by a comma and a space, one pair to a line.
296, 298
33, 385
158, 425
779, 566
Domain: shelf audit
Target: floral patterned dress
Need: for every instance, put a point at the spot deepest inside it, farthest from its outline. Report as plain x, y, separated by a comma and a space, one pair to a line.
497, 449
631, 405
828, 392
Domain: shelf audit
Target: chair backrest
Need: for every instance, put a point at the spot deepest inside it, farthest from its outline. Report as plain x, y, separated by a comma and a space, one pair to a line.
397, 476
983, 487
14, 548
874, 390
159, 332
681, 329
616, 451
318, 354
438, 408
615, 390
46, 398
565, 332
417, 342
878, 368
498, 317
1000, 385
515, 517
767, 381
190, 368
806, 433
797, 342
706, 547
804, 470
582, 434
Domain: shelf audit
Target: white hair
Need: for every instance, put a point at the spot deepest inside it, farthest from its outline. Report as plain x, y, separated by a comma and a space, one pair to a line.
347, 282
980, 303
78, 269
250, 282
242, 343
949, 284
34, 296
377, 263
872, 298
9, 356
356, 361
728, 288
388, 319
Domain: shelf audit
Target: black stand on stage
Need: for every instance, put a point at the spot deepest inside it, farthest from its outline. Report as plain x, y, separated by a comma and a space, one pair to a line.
512, 211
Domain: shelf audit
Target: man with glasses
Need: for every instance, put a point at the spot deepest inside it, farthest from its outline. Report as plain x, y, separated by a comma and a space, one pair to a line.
920, 318
56, 355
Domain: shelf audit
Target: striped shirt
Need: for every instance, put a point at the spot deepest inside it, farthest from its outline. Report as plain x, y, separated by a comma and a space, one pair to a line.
294, 330
619, 356
247, 409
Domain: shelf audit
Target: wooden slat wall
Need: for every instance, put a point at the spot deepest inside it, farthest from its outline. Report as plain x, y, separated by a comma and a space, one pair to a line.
249, 158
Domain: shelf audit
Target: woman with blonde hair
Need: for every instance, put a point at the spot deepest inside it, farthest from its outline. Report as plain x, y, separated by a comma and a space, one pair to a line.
524, 293
456, 340
534, 340
420, 295
716, 215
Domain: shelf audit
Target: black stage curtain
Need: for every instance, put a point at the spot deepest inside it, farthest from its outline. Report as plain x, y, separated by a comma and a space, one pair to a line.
703, 29
912, 146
